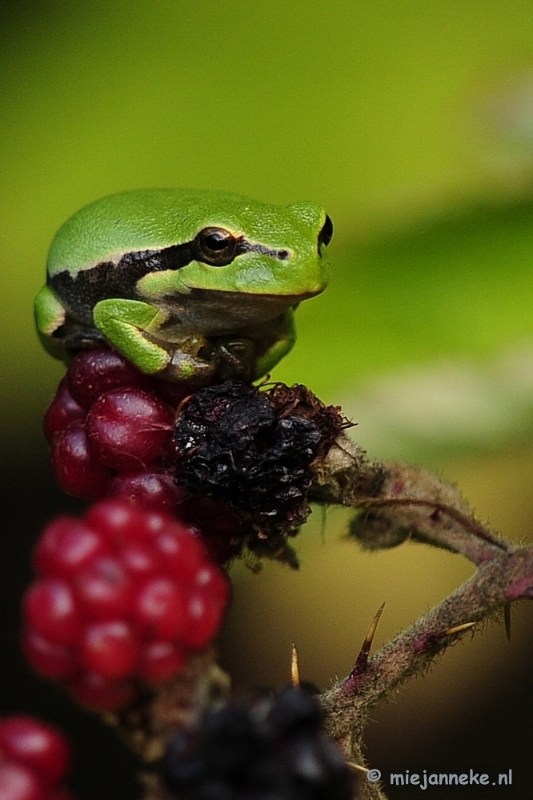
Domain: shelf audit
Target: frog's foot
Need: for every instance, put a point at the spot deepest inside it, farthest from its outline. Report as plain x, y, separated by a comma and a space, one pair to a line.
234, 358
133, 328
200, 363
186, 367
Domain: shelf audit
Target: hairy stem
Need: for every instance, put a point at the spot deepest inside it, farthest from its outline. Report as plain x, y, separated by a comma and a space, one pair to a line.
394, 502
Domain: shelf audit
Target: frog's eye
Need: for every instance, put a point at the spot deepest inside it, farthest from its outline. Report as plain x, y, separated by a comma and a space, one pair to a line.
216, 246
325, 235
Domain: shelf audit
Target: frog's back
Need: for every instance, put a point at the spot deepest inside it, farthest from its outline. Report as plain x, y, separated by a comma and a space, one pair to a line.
137, 220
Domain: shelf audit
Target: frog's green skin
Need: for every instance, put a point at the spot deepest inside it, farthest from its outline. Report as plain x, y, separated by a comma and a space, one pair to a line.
189, 286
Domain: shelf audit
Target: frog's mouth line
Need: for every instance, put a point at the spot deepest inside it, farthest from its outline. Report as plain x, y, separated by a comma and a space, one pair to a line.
216, 312
244, 297
252, 304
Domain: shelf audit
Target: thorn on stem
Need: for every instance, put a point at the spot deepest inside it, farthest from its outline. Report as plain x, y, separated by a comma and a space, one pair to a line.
362, 658
458, 628
357, 767
295, 669
433, 639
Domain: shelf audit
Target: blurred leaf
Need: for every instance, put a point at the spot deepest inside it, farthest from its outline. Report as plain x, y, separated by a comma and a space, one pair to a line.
427, 335
462, 285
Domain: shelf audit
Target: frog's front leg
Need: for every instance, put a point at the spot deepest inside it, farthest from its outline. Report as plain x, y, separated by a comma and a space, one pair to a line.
50, 317
131, 327
278, 339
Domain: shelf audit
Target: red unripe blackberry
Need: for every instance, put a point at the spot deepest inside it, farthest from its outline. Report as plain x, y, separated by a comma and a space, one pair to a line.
139, 560
203, 619
116, 523
94, 372
209, 579
177, 552
132, 597
33, 760
62, 412
75, 467
127, 428
108, 418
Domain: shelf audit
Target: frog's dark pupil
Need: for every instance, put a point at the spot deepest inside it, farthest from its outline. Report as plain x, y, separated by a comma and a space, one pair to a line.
215, 241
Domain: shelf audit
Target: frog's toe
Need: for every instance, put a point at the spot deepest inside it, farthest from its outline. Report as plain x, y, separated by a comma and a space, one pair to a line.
235, 359
184, 368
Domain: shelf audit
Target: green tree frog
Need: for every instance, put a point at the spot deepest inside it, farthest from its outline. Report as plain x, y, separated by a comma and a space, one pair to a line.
190, 286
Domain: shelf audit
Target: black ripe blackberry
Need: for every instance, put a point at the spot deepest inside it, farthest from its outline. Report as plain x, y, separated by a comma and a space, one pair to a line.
251, 453
258, 748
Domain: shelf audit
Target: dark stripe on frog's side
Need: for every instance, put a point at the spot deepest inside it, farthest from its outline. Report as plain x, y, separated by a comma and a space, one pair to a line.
80, 291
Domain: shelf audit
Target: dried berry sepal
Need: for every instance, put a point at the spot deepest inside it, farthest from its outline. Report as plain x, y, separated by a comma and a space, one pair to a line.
252, 452
146, 724
298, 399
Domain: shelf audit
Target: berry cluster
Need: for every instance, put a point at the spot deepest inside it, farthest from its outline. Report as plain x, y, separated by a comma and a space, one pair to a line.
34, 759
108, 426
123, 596
233, 461
261, 747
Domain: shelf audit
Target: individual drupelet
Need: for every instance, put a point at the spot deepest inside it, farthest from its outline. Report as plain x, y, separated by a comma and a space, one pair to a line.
34, 759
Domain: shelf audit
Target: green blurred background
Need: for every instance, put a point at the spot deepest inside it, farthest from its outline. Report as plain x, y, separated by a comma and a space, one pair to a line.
412, 122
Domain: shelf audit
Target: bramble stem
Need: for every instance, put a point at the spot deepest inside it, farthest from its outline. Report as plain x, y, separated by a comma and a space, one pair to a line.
395, 502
